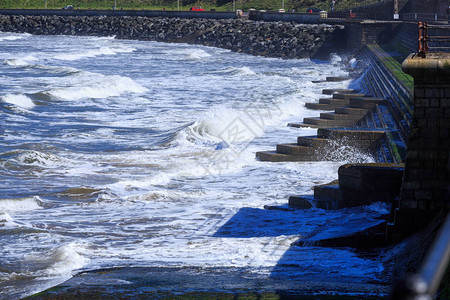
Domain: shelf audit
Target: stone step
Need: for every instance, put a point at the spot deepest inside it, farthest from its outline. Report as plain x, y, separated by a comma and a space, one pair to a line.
319, 106
366, 102
343, 197
311, 141
371, 176
326, 123
337, 78
334, 91
302, 125
348, 96
351, 111
334, 102
294, 149
328, 192
273, 156
335, 116
355, 134
308, 201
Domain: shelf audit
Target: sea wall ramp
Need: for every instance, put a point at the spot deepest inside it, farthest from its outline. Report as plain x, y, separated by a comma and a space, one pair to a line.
271, 39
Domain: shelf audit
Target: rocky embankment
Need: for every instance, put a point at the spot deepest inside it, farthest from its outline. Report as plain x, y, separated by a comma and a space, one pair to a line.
271, 39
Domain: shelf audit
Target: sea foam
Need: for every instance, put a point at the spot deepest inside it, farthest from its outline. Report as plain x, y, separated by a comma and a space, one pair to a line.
18, 100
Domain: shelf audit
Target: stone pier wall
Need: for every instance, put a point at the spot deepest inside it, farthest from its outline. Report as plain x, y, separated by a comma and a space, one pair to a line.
426, 181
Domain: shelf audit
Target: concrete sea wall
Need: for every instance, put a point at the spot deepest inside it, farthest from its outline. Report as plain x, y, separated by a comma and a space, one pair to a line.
271, 39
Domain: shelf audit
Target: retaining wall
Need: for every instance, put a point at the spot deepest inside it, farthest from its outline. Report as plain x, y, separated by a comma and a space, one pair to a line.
306, 18
385, 79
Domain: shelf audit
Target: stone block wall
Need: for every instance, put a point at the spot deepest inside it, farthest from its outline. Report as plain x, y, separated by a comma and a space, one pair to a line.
361, 33
426, 182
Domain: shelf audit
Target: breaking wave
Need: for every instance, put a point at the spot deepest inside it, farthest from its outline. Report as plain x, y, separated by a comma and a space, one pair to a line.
18, 100
102, 87
94, 52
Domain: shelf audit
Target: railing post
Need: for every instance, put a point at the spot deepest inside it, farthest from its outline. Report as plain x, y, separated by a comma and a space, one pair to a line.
423, 39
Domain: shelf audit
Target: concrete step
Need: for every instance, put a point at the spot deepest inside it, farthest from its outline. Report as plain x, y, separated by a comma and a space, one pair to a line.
319, 106
294, 149
348, 96
353, 134
337, 78
311, 141
371, 176
335, 116
326, 123
273, 156
308, 201
366, 102
334, 91
328, 192
301, 125
352, 111
334, 102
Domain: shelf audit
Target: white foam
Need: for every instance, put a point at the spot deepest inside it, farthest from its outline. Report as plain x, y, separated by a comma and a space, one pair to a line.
6, 220
198, 54
10, 38
65, 259
36, 158
237, 71
93, 53
20, 204
335, 59
22, 61
18, 100
102, 87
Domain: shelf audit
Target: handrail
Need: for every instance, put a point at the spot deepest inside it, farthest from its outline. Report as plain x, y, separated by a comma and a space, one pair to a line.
425, 284
429, 42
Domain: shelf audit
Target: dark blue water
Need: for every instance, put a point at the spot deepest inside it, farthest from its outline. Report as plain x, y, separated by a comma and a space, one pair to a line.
142, 154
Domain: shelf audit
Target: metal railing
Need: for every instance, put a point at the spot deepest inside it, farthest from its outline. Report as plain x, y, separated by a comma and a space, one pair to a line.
433, 38
425, 284
424, 17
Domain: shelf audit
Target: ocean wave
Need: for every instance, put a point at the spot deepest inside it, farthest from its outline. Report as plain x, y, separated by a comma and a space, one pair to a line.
65, 259
19, 158
22, 61
10, 38
5, 219
198, 54
94, 52
20, 204
18, 100
99, 87
236, 71
28, 63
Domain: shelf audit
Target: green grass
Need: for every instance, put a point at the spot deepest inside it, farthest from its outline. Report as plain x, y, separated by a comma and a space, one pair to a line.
219, 5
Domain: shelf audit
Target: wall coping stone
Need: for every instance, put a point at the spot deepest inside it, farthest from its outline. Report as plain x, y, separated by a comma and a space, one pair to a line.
434, 68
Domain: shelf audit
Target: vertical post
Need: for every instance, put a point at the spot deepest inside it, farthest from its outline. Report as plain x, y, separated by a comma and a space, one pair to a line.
178, 5
234, 5
396, 16
45, 4
423, 39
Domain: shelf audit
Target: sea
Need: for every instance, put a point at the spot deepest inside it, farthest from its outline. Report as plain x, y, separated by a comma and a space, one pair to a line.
121, 153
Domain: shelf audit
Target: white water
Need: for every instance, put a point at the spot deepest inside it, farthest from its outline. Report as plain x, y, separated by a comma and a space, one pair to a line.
128, 153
